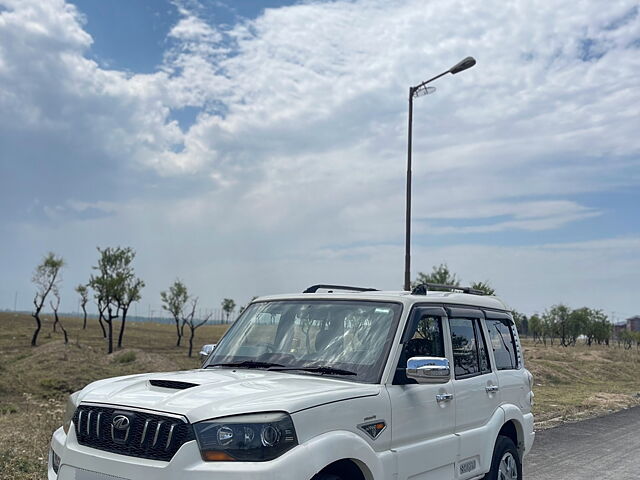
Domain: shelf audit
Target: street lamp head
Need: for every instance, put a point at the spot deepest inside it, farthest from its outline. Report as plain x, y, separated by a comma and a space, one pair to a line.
423, 90
463, 65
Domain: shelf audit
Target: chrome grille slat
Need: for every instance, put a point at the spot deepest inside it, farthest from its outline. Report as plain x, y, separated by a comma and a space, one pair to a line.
89, 421
155, 437
98, 424
80, 415
144, 431
150, 435
170, 436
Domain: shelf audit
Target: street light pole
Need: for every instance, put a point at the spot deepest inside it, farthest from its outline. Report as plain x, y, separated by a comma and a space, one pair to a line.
407, 234
417, 91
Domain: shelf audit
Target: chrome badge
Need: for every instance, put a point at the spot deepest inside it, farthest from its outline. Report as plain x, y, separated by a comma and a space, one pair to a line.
120, 428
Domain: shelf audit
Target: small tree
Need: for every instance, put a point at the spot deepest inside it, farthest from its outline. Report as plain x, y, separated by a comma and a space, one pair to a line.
521, 321
536, 327
561, 316
192, 324
228, 306
484, 287
101, 311
110, 284
627, 339
440, 274
604, 328
580, 323
129, 293
174, 301
46, 277
55, 306
83, 291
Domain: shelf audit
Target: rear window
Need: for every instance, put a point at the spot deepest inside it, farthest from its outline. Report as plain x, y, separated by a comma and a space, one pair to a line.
503, 343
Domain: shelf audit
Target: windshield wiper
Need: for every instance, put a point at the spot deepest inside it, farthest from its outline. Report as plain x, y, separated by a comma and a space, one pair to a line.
246, 364
322, 369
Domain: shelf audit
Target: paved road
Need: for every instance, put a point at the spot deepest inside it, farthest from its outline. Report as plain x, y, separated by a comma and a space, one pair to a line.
597, 449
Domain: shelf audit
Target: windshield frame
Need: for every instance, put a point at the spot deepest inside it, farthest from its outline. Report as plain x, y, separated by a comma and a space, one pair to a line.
378, 367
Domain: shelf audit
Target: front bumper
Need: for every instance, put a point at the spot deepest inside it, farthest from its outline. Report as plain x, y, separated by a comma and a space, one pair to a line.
82, 463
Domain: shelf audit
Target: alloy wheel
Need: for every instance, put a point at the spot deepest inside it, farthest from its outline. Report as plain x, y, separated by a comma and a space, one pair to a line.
508, 468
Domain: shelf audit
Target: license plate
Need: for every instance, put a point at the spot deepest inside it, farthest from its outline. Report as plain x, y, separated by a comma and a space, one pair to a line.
72, 473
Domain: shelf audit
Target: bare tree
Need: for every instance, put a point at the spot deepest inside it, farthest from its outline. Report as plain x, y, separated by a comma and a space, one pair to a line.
192, 324
174, 301
46, 277
228, 306
55, 306
83, 291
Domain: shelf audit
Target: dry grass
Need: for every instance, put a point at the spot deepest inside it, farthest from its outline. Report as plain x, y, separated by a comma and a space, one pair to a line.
570, 383
578, 382
34, 382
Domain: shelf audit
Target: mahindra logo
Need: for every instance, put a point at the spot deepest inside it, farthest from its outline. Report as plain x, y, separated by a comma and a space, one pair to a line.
120, 422
120, 428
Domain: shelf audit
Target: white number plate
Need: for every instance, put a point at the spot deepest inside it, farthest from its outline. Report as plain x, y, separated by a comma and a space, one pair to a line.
72, 473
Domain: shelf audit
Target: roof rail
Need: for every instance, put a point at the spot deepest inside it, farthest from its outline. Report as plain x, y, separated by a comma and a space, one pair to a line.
423, 288
315, 288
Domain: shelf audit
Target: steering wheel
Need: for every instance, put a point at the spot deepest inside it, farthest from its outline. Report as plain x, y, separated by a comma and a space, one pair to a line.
268, 347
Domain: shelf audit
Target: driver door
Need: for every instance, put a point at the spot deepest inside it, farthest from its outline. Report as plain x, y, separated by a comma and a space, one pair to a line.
423, 420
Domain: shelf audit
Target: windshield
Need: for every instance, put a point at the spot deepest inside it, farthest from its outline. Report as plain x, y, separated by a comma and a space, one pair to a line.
348, 339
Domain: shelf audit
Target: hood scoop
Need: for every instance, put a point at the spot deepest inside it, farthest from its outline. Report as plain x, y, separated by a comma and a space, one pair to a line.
175, 385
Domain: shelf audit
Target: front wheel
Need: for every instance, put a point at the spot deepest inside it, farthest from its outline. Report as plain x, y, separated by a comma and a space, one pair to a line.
505, 464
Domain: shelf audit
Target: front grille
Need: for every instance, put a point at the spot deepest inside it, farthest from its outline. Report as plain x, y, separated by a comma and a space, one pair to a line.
133, 433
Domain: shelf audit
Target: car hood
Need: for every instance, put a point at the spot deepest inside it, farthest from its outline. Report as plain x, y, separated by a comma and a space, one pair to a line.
221, 392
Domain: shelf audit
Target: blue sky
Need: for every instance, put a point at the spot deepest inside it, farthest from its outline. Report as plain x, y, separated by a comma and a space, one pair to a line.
253, 147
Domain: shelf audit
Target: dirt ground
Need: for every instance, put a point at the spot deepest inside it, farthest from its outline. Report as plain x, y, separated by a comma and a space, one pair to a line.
570, 383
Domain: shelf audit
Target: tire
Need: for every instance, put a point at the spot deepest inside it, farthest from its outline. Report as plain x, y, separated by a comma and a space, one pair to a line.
326, 476
505, 464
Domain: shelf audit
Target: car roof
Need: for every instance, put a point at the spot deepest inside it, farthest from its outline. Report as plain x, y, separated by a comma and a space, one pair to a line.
406, 298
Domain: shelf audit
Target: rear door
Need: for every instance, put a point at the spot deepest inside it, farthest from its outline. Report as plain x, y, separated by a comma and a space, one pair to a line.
512, 378
423, 426
475, 386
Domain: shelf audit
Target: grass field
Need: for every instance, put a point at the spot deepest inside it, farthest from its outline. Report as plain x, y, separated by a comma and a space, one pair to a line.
570, 383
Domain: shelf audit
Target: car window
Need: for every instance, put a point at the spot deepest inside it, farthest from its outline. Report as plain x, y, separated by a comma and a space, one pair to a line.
483, 351
427, 339
503, 344
470, 356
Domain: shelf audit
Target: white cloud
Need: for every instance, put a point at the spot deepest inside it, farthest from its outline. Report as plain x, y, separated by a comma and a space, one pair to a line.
298, 153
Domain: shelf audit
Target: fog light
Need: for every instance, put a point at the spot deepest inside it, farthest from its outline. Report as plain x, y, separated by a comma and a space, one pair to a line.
55, 461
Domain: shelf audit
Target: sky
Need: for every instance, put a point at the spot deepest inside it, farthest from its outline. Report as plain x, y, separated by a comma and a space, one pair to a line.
254, 147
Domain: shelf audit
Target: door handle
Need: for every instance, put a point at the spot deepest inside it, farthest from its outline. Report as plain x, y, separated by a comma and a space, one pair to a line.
492, 388
444, 397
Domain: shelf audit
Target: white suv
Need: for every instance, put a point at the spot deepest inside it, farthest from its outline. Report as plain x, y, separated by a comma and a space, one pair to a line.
320, 386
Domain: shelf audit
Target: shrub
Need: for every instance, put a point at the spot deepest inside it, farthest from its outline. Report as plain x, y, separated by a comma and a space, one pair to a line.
126, 357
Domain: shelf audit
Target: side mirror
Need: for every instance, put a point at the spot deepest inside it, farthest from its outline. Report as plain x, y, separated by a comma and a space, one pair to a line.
428, 369
206, 350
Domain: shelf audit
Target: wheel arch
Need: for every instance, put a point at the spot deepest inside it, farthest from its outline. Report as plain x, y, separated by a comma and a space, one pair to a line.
345, 451
513, 427
347, 468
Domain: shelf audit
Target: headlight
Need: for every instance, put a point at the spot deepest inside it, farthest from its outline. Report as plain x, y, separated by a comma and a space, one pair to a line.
256, 437
72, 403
